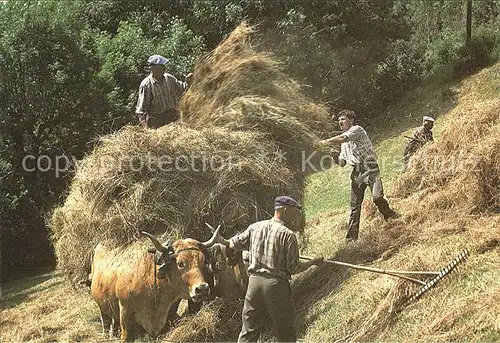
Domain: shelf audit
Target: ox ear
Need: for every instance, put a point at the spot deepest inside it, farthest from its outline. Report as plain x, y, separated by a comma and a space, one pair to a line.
155, 241
212, 239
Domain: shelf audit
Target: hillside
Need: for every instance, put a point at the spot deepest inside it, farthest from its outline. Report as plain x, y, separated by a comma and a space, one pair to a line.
445, 208
449, 200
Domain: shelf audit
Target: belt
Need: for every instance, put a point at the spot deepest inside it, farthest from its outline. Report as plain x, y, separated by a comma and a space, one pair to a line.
268, 275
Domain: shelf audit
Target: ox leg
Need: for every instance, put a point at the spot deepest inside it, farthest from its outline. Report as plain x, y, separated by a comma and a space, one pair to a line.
112, 328
105, 321
125, 324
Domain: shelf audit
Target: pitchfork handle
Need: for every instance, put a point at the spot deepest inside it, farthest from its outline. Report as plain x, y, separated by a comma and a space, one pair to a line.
377, 270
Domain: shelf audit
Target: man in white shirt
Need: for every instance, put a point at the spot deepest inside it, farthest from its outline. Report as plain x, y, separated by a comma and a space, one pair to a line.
159, 95
356, 150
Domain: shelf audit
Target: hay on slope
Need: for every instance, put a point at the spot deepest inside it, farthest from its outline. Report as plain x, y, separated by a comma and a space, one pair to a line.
448, 200
462, 170
240, 89
170, 180
218, 321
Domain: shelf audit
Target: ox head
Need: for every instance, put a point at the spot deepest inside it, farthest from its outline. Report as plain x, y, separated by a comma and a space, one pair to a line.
186, 260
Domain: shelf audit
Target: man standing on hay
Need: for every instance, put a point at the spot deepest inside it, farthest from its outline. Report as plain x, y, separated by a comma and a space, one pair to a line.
159, 95
419, 138
274, 256
356, 150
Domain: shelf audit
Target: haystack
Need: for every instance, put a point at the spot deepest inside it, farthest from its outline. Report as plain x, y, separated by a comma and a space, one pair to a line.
170, 180
238, 146
243, 90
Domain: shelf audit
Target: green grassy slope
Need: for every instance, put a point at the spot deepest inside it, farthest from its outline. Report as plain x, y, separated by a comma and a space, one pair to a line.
336, 304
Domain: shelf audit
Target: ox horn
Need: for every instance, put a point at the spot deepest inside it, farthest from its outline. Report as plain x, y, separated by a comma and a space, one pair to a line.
212, 239
155, 241
210, 227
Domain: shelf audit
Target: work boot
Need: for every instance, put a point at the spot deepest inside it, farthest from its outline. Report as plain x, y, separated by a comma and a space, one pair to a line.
352, 236
391, 215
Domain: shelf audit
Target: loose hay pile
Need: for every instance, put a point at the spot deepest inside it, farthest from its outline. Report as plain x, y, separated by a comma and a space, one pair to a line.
218, 321
168, 180
242, 90
462, 171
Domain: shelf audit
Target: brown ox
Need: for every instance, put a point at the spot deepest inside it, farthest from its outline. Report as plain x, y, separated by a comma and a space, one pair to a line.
143, 291
231, 281
227, 277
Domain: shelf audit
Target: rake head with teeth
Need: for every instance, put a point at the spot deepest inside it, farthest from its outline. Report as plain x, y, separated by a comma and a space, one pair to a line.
435, 277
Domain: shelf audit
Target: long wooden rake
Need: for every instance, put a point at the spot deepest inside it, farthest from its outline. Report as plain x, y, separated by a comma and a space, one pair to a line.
431, 278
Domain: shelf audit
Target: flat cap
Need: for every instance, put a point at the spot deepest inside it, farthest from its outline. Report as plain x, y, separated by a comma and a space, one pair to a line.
284, 200
427, 118
157, 59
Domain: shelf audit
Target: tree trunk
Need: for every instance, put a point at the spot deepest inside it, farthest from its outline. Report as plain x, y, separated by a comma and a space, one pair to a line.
469, 20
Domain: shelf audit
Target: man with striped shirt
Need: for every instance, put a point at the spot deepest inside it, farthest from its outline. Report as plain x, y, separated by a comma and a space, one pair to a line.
356, 150
274, 257
159, 95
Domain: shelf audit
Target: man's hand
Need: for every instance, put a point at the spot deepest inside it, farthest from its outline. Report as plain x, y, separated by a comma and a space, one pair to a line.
143, 121
317, 261
335, 155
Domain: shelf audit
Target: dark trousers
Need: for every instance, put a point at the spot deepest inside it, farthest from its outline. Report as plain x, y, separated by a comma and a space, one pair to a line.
358, 188
267, 297
159, 120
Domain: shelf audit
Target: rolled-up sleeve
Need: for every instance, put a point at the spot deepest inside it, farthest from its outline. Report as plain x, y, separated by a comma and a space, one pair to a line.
292, 254
242, 241
181, 86
343, 154
143, 101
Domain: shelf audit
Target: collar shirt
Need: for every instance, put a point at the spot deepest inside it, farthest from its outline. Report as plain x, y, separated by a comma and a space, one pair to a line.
159, 96
358, 149
273, 248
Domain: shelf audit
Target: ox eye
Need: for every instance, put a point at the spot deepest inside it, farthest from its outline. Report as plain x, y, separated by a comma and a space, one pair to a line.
181, 265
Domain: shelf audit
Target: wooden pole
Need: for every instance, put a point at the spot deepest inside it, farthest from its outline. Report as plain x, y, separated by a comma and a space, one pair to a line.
469, 20
380, 271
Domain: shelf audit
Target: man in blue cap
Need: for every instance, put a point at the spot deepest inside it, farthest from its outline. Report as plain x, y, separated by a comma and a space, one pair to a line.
159, 95
274, 257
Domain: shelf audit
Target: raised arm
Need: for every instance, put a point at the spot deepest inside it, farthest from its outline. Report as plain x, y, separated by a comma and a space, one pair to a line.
339, 139
238, 242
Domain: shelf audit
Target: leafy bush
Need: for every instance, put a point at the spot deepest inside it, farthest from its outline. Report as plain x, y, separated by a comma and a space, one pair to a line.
51, 105
399, 72
452, 56
477, 53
